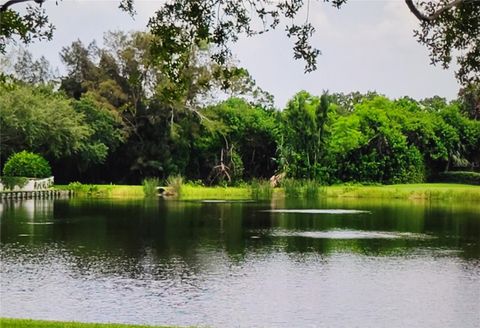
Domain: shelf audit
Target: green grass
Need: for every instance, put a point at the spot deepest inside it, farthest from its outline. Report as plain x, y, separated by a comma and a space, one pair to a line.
105, 191
188, 191
201, 192
405, 191
27, 323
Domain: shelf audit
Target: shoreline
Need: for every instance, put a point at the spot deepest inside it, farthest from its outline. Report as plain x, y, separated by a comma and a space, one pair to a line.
426, 191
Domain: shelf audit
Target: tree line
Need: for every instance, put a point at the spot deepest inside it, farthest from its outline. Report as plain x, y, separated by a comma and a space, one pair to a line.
115, 116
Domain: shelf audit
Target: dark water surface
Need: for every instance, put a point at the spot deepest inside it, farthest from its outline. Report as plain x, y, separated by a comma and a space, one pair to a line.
242, 264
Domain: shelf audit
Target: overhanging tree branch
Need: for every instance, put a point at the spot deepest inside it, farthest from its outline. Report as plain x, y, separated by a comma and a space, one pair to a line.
435, 15
9, 3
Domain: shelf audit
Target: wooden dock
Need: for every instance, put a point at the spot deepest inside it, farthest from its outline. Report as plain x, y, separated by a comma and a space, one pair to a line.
36, 194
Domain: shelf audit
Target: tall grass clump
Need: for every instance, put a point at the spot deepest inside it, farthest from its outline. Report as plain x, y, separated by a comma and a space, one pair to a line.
292, 188
302, 188
261, 189
150, 187
175, 184
312, 189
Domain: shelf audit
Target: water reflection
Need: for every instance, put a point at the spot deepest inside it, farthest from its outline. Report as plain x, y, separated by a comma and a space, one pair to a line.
176, 228
242, 264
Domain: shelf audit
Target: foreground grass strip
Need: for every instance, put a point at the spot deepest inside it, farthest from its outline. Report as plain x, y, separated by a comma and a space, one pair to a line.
27, 323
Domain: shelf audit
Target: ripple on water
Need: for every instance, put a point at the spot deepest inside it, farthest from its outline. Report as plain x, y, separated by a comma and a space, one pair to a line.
351, 234
317, 211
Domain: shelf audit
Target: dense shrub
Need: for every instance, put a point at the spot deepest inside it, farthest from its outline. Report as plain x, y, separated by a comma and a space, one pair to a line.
26, 164
459, 177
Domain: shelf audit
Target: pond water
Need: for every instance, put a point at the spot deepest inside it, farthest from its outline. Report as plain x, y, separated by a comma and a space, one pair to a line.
282, 263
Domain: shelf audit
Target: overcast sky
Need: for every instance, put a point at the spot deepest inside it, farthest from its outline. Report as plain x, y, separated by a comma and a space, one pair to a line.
366, 45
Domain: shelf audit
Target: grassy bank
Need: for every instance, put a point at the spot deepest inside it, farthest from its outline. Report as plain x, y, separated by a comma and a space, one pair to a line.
200, 192
405, 191
104, 191
188, 191
26, 323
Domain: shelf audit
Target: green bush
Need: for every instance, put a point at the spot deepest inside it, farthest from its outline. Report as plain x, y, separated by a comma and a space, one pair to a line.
26, 164
459, 177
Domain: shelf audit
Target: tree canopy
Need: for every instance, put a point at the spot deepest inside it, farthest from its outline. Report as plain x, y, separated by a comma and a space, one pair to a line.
107, 119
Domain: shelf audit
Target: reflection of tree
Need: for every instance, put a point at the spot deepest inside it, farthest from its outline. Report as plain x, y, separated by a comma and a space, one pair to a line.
165, 239
449, 223
27, 219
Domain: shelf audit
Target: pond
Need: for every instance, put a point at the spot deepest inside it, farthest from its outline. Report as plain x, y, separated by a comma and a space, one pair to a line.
280, 263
